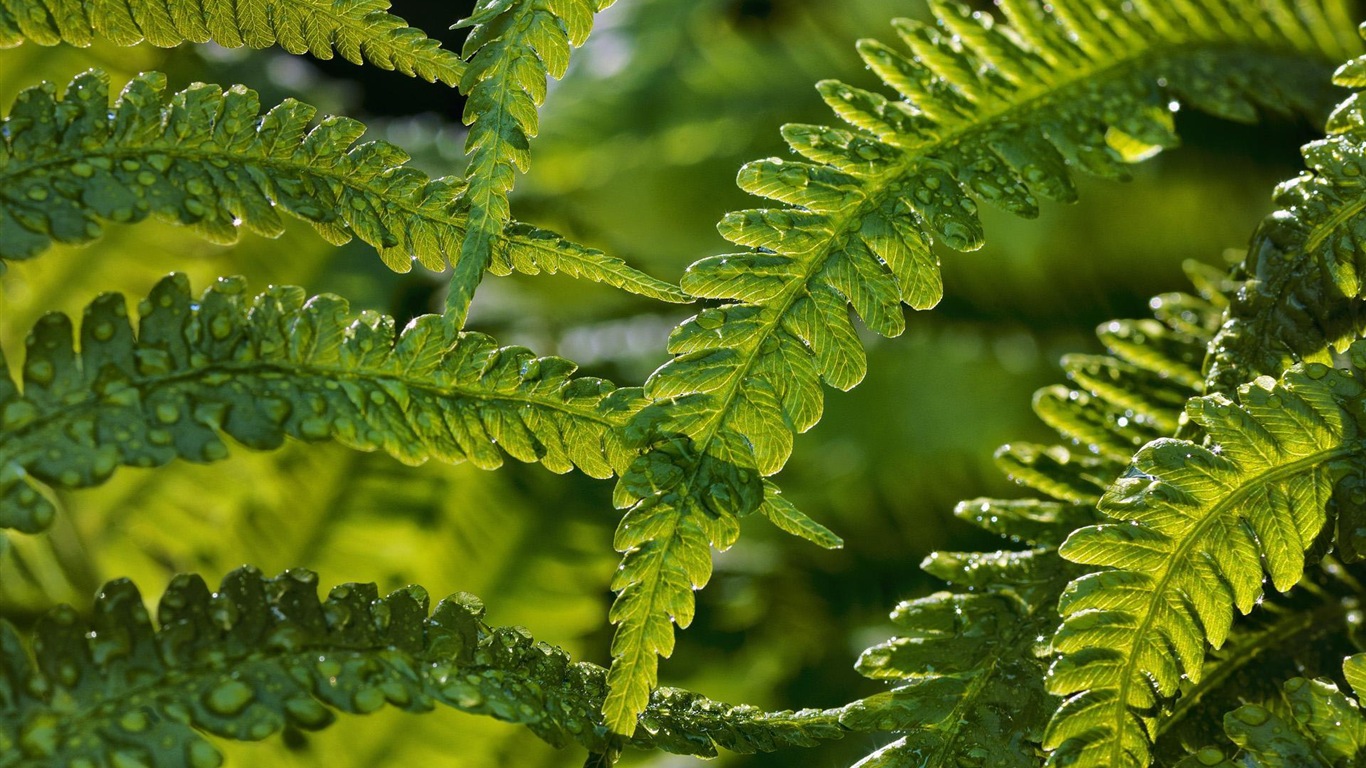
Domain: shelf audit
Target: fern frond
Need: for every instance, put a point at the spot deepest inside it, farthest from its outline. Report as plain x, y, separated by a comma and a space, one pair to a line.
513, 46
992, 112
970, 664
361, 31
208, 158
1301, 284
1305, 633
1311, 724
263, 653
1196, 526
1116, 403
260, 369
968, 667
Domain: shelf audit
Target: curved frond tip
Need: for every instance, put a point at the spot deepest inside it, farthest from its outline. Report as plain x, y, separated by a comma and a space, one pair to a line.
360, 31
261, 654
261, 368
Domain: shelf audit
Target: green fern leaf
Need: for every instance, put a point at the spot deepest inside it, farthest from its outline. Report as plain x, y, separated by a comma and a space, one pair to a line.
1310, 725
968, 667
278, 365
513, 46
994, 112
261, 654
1305, 633
1302, 281
1199, 526
361, 31
207, 158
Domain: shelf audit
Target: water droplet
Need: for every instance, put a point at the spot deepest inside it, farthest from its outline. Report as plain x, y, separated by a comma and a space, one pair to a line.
134, 722
1252, 715
1210, 756
710, 319
329, 668
39, 371
129, 760
203, 755
229, 699
367, 700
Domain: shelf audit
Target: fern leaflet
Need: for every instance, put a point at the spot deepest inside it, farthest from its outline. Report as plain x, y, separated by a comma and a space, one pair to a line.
991, 111
361, 31
961, 693
968, 669
1310, 725
263, 653
260, 369
1197, 527
1302, 634
207, 158
513, 46
1303, 276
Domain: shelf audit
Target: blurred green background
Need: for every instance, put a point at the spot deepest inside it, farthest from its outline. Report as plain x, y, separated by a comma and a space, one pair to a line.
638, 153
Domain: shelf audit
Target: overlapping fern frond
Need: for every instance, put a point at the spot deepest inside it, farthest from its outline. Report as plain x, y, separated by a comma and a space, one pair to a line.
970, 664
1305, 633
1311, 724
1302, 281
280, 364
209, 158
968, 668
990, 112
1195, 526
513, 46
261, 654
361, 31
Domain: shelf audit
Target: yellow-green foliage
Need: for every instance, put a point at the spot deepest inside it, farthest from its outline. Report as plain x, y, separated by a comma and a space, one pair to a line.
1212, 445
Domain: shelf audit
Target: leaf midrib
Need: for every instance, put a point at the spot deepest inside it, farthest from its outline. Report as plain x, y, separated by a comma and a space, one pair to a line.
648, 285
330, 373
839, 224
1196, 534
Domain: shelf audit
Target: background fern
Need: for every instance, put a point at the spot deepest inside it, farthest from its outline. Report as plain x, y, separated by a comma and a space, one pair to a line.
1302, 283
513, 46
763, 593
970, 666
1311, 723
